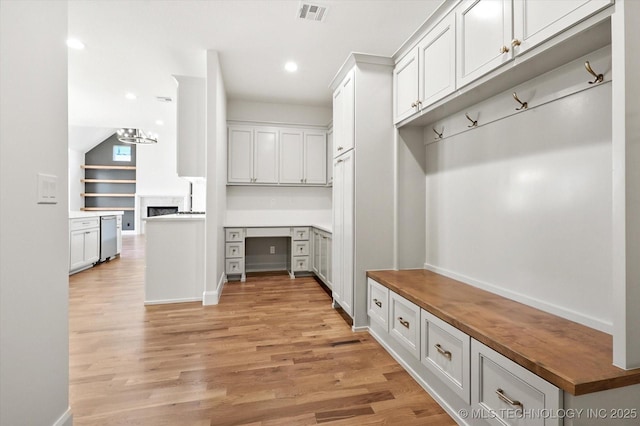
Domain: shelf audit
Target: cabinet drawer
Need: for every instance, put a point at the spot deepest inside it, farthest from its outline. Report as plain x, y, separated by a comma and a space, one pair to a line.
85, 223
301, 248
508, 391
301, 263
234, 266
446, 353
300, 234
234, 250
404, 323
378, 304
233, 234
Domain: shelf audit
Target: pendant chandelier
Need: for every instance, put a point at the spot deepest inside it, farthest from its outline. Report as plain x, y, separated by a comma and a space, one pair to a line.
138, 136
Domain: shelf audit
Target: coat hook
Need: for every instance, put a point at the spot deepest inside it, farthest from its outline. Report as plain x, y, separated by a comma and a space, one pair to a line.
474, 123
599, 77
523, 105
439, 134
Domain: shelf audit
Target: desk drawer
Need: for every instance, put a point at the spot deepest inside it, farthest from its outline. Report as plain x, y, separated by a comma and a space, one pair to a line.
234, 250
233, 234
446, 353
234, 266
378, 304
404, 323
507, 391
300, 248
84, 223
300, 263
300, 234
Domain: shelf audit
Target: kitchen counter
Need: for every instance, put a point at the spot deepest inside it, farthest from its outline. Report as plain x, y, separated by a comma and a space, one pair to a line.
326, 227
175, 218
82, 214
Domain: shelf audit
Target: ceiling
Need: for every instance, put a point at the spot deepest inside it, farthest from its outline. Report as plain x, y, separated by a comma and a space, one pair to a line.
136, 45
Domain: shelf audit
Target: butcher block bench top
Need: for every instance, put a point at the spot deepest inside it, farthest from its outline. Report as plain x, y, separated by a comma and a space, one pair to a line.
575, 358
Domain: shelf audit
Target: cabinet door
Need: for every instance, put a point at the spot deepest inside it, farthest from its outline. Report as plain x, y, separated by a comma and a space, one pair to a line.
291, 156
329, 163
240, 156
343, 189
484, 37
265, 163
76, 250
405, 85
316, 253
315, 158
344, 116
437, 62
323, 257
329, 275
535, 21
92, 246
338, 226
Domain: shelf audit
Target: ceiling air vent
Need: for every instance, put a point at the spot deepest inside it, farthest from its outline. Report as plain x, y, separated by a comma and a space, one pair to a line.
312, 12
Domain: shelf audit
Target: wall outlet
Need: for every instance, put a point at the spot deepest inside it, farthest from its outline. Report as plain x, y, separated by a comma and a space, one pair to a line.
272, 250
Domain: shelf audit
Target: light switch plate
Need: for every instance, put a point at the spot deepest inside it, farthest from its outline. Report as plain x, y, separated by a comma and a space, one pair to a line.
47, 189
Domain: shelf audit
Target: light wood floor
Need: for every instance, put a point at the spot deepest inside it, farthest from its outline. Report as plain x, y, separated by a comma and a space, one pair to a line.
273, 352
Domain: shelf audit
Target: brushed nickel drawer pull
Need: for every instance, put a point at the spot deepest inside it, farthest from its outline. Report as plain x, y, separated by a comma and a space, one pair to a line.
403, 322
508, 400
378, 303
446, 353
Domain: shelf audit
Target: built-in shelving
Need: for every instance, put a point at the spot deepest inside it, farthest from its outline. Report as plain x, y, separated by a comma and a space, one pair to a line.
108, 180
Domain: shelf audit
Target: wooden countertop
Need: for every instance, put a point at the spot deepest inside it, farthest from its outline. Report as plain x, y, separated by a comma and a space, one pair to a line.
576, 358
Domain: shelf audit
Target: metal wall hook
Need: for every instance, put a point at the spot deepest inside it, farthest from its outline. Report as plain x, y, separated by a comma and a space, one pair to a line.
439, 134
523, 105
599, 77
474, 123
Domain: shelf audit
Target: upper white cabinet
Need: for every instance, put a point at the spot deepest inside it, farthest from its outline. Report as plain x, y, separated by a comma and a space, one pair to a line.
303, 157
190, 126
344, 115
483, 37
253, 155
536, 21
427, 73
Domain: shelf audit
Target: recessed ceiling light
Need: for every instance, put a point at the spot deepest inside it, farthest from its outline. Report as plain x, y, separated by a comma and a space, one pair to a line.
160, 122
74, 43
131, 96
291, 66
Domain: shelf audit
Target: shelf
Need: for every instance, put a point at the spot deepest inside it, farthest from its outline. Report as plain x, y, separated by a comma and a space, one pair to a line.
99, 194
97, 167
97, 209
108, 180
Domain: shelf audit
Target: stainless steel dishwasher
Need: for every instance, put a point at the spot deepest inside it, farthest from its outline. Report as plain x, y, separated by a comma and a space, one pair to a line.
108, 237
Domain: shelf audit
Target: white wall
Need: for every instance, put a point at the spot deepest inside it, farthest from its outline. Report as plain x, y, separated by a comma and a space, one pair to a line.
76, 187
278, 113
522, 207
34, 247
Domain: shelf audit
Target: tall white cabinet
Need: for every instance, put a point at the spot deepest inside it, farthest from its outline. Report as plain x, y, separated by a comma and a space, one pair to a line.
363, 179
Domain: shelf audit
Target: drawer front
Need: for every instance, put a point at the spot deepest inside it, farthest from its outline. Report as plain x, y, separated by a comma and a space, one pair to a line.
234, 266
233, 234
404, 323
378, 304
301, 248
234, 250
446, 353
300, 234
86, 223
508, 391
300, 263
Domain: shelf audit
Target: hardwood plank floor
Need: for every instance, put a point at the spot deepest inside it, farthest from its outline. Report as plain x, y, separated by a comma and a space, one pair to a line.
273, 352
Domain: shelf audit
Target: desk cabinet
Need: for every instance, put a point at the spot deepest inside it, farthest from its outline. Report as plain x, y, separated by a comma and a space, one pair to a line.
84, 243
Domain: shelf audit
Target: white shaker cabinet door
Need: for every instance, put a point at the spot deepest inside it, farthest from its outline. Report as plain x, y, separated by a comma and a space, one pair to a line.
484, 37
265, 166
291, 156
92, 246
437, 67
343, 231
405, 83
315, 158
240, 155
344, 116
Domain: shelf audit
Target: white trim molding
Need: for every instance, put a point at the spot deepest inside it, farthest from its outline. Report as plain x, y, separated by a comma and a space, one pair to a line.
213, 297
66, 419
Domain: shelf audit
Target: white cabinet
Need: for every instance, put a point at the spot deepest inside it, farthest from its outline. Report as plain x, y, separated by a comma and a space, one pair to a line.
118, 234
190, 126
253, 155
483, 37
303, 157
426, 73
321, 259
504, 390
343, 231
344, 115
404, 323
84, 243
378, 304
536, 21
328, 156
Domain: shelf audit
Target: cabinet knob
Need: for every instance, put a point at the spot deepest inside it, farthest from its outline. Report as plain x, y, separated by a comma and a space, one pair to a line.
413, 105
301, 180
504, 49
340, 148
515, 42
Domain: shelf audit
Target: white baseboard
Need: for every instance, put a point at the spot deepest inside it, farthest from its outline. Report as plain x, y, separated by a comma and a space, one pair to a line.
560, 311
165, 301
213, 297
66, 419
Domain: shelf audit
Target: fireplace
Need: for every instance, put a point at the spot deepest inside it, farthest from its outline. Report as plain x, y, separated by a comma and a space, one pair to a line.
161, 210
